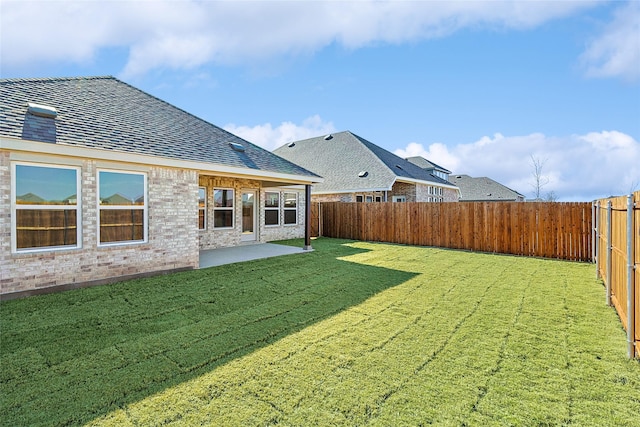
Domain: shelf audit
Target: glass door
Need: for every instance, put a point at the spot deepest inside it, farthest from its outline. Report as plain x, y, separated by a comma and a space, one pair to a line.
249, 216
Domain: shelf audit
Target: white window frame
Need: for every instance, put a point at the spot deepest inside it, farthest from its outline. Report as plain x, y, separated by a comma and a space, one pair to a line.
15, 207
204, 209
144, 208
285, 209
231, 208
368, 199
276, 209
400, 199
359, 198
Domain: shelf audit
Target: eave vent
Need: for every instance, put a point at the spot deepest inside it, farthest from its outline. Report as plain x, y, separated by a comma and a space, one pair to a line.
42, 110
291, 145
328, 137
363, 174
237, 147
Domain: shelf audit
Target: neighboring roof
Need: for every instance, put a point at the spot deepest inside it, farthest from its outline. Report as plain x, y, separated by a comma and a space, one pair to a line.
108, 114
483, 189
341, 158
427, 164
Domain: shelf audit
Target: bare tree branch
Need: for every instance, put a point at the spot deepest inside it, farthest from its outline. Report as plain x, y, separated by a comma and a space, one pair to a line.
539, 180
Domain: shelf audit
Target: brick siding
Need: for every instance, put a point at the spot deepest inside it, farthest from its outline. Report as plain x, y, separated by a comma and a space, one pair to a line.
172, 231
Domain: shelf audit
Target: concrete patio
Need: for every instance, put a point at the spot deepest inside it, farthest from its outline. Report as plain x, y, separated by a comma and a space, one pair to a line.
248, 252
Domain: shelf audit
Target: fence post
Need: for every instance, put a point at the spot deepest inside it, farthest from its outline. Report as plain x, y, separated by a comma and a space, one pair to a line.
630, 285
596, 237
609, 250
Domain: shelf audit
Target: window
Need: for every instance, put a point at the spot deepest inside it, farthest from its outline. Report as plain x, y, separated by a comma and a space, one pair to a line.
399, 198
359, 199
122, 206
222, 208
378, 198
45, 207
271, 208
290, 208
202, 208
369, 198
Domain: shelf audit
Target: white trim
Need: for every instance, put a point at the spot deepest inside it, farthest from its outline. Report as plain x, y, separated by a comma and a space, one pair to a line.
357, 190
225, 208
277, 209
206, 196
134, 158
253, 236
144, 208
419, 181
14, 208
285, 208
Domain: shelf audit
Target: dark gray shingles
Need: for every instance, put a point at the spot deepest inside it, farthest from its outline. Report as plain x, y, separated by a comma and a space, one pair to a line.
340, 159
483, 189
106, 113
426, 164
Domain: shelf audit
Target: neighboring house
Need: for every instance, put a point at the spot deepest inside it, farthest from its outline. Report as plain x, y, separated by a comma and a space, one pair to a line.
356, 170
100, 180
430, 167
484, 190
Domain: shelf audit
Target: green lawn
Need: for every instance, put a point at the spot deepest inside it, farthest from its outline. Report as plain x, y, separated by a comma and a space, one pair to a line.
351, 334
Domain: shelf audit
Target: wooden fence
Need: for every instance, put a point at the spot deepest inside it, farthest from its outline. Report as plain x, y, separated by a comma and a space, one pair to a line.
551, 230
617, 258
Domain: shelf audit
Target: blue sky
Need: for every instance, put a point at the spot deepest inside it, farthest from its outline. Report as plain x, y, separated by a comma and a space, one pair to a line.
478, 87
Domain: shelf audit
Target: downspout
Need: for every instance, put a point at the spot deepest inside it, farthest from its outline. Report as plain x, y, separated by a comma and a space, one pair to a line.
307, 217
630, 285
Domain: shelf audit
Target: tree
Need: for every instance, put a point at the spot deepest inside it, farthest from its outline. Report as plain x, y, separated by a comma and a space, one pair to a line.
551, 196
539, 180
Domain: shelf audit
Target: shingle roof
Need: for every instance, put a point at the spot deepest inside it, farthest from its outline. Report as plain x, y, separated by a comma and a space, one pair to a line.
106, 113
341, 159
483, 189
426, 164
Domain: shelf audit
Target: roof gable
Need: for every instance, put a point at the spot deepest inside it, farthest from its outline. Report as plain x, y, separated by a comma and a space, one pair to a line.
483, 189
106, 113
427, 164
345, 156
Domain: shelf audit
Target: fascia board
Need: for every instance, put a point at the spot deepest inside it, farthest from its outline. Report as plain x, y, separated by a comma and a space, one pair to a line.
419, 181
37, 147
356, 190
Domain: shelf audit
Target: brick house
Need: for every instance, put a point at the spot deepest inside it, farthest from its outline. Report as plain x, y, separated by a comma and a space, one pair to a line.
356, 170
101, 181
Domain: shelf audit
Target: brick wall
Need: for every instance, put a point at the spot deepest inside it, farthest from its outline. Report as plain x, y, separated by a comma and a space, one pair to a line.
172, 232
212, 238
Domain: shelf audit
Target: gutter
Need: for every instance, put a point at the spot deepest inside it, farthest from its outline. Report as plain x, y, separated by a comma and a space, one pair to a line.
40, 148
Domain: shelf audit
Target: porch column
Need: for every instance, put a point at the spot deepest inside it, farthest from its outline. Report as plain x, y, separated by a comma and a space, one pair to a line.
307, 217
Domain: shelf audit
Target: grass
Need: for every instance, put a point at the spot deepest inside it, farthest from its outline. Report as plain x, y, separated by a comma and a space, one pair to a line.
351, 334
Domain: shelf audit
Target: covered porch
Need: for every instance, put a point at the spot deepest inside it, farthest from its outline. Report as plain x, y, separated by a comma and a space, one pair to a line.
246, 252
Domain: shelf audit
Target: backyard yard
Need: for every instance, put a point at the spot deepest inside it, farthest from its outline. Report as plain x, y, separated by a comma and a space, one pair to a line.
350, 334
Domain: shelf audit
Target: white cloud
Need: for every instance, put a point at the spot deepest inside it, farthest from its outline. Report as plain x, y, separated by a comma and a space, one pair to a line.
270, 138
183, 34
578, 167
616, 52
